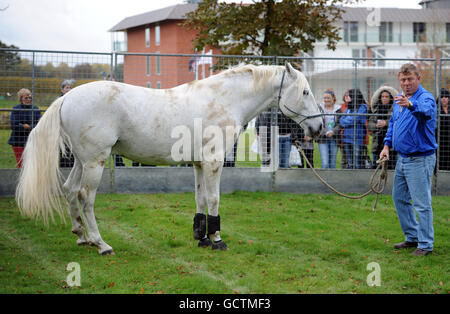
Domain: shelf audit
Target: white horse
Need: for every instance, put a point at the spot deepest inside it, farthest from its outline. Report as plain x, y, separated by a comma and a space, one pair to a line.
105, 117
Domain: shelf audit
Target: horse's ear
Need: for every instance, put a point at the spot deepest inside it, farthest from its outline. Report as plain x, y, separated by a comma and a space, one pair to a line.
290, 70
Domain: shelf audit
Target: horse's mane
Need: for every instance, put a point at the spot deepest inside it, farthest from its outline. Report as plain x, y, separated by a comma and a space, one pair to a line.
263, 74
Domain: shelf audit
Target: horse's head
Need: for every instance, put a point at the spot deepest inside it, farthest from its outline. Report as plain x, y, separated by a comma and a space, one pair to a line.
298, 103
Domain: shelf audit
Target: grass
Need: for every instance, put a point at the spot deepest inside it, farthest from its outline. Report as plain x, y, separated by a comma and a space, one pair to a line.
278, 243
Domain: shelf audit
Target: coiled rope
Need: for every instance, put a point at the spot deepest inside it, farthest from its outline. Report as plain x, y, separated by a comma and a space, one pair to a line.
376, 187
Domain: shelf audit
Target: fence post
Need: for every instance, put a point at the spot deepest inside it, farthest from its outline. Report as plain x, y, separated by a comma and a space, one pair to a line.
112, 165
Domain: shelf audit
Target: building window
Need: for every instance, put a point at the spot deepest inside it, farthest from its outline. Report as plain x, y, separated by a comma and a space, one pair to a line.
158, 85
157, 35
158, 65
419, 32
359, 53
380, 53
148, 84
386, 34
447, 26
147, 65
147, 37
351, 32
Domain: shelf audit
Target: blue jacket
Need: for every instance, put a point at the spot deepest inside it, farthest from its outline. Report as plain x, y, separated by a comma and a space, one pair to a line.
19, 134
411, 131
350, 134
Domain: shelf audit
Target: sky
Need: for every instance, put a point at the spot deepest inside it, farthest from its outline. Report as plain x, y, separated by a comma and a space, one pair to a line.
82, 25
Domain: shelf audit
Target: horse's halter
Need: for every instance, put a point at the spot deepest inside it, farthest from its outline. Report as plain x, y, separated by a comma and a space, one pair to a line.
296, 113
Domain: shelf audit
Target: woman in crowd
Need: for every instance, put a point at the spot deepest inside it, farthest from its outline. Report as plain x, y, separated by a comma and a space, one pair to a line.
382, 104
24, 117
444, 130
354, 125
328, 140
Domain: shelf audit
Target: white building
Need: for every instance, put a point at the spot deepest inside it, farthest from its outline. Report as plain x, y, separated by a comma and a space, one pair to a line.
384, 33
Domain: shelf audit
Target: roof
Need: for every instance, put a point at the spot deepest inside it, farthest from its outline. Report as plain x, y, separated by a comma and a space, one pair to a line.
175, 12
178, 12
399, 15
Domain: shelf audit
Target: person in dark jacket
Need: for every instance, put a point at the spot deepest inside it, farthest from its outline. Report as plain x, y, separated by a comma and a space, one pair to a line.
381, 106
288, 132
24, 117
444, 130
354, 129
411, 133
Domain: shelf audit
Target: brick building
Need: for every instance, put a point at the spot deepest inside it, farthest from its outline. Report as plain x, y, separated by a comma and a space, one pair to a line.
158, 32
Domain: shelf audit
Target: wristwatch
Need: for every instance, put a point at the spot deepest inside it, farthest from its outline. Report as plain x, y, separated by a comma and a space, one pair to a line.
410, 105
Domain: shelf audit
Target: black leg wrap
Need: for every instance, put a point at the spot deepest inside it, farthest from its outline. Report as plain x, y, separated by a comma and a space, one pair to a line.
205, 242
199, 226
213, 224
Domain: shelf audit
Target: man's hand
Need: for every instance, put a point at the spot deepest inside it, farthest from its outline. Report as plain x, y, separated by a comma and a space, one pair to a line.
26, 126
403, 101
385, 152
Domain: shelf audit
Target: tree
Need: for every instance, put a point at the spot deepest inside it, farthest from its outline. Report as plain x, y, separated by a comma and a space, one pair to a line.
266, 27
8, 59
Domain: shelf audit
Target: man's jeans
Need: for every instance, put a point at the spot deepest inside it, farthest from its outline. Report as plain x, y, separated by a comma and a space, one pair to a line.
412, 183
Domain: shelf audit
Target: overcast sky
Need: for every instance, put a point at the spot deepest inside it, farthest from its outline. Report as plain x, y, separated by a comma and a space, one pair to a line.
82, 25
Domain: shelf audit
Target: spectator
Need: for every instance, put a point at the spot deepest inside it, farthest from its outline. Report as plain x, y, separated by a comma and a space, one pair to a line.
444, 131
67, 160
345, 100
288, 131
381, 106
230, 159
354, 128
263, 132
328, 140
24, 117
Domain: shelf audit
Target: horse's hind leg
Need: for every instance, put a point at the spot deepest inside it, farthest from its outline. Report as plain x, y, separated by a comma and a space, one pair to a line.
201, 201
92, 174
72, 188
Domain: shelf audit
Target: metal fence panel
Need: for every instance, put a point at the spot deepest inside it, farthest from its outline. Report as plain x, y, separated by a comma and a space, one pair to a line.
43, 71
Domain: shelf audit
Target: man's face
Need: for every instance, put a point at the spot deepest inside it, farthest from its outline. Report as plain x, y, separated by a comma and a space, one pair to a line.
409, 83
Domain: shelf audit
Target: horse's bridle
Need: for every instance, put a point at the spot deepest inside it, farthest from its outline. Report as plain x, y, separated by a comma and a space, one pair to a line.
296, 113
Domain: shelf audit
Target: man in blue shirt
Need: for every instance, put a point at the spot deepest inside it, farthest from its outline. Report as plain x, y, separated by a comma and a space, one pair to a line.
411, 133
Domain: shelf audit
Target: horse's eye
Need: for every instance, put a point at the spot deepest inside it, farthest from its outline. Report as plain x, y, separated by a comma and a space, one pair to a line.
306, 92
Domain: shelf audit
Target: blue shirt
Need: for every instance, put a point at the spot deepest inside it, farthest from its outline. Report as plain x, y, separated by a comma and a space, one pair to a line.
411, 131
354, 126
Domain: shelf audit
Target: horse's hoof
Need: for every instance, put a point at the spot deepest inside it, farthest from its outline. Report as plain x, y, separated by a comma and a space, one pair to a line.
219, 245
204, 242
107, 252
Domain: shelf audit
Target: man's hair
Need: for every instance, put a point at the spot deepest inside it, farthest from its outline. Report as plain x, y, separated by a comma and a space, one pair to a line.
408, 68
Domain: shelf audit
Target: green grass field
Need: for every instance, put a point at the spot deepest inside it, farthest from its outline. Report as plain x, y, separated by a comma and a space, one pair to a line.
278, 243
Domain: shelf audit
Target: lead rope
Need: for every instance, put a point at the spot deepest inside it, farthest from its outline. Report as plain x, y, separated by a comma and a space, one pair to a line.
376, 188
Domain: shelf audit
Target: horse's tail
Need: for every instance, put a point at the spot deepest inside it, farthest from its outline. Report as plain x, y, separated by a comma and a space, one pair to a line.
39, 190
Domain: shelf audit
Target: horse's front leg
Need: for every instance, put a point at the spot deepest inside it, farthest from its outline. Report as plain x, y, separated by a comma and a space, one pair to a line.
200, 217
212, 172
